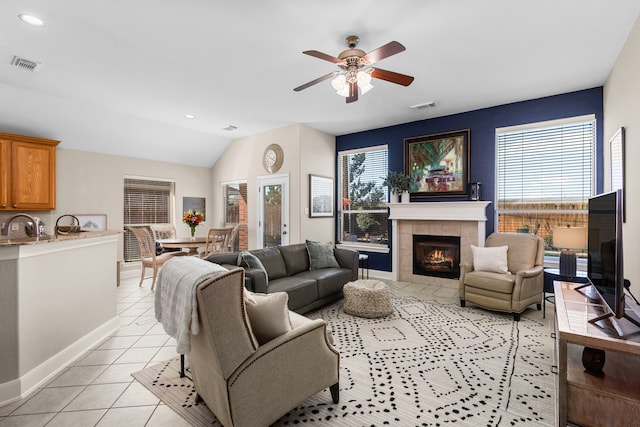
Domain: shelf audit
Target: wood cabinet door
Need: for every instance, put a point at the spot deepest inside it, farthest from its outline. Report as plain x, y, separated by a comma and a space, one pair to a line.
33, 171
5, 173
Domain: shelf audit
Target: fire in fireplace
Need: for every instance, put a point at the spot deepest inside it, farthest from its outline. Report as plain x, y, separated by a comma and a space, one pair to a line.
437, 256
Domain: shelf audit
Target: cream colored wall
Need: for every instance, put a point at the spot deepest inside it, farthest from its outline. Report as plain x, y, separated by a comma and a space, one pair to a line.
93, 183
622, 108
305, 151
318, 157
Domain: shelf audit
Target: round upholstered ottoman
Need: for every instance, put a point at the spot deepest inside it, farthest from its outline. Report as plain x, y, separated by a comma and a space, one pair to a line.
367, 298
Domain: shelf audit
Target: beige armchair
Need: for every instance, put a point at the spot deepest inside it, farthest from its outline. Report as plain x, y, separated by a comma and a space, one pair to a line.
247, 384
515, 290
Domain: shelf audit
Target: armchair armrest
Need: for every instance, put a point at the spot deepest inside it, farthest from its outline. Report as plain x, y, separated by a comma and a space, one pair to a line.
528, 282
348, 258
532, 272
298, 363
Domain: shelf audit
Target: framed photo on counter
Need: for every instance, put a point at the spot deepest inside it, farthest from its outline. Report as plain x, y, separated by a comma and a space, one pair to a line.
92, 222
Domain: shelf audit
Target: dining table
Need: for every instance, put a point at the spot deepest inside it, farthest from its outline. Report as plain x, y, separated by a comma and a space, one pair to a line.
190, 243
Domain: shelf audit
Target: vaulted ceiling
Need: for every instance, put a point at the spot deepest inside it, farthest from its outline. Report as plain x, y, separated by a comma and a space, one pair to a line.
119, 76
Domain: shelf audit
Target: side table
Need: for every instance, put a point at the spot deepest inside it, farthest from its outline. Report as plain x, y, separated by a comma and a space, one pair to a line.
551, 274
363, 261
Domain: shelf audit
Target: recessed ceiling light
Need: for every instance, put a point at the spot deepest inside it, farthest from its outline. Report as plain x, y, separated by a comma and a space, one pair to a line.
31, 20
190, 116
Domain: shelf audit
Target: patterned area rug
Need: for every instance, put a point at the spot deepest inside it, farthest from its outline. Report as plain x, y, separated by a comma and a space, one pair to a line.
429, 363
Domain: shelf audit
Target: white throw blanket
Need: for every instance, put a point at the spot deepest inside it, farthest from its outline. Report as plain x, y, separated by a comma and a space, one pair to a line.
175, 299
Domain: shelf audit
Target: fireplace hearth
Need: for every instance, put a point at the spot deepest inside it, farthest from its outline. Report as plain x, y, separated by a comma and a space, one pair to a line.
437, 256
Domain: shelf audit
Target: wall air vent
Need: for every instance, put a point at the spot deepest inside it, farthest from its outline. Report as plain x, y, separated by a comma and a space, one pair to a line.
424, 105
26, 64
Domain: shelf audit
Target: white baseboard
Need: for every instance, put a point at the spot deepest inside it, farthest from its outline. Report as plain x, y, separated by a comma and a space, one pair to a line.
19, 388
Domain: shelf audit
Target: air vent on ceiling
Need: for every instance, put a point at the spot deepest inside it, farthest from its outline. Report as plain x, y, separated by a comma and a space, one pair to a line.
26, 64
230, 128
424, 105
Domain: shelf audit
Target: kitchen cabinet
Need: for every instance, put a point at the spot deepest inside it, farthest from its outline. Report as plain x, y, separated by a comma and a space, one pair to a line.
27, 173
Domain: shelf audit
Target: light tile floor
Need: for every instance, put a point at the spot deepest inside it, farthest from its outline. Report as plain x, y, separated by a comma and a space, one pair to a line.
98, 390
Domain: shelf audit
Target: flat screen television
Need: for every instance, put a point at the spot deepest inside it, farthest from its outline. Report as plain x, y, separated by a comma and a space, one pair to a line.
605, 267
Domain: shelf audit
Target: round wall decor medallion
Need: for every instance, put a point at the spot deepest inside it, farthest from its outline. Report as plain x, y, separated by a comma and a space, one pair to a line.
272, 158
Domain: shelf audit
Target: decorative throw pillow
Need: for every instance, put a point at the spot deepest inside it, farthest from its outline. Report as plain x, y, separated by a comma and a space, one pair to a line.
268, 315
321, 255
491, 259
248, 260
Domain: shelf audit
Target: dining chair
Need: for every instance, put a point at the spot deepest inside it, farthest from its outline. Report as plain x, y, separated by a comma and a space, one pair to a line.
148, 257
165, 231
217, 241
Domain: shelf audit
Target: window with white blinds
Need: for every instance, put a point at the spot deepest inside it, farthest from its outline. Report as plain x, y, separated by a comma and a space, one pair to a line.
362, 197
146, 202
545, 175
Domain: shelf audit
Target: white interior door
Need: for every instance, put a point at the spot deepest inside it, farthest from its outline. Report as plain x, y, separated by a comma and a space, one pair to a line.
273, 216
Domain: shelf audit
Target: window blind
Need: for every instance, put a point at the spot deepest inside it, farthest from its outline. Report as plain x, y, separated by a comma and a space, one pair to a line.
146, 202
362, 197
545, 176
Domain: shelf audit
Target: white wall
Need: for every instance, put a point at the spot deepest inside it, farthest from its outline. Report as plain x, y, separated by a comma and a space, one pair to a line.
93, 183
622, 108
306, 150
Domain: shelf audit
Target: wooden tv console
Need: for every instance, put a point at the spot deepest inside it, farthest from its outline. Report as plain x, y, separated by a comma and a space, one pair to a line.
611, 399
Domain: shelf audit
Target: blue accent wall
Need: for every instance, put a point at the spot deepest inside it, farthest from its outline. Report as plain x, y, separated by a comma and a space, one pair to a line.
482, 125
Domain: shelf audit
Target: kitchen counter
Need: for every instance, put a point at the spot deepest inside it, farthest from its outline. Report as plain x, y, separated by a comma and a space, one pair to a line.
4, 241
57, 300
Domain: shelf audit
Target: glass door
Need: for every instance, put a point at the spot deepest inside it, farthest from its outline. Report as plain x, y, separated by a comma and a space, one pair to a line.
273, 218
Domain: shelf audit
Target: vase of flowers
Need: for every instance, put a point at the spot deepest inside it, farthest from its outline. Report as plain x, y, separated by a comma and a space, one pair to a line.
193, 220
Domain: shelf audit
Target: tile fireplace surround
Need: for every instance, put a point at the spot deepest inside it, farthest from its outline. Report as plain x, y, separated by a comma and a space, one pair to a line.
464, 219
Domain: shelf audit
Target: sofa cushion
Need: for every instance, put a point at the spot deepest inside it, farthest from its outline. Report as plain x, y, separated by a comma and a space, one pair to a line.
329, 280
492, 259
296, 258
248, 260
272, 260
321, 255
502, 283
268, 315
302, 291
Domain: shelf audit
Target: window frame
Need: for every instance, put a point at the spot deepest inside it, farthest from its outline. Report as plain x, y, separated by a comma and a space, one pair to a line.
362, 246
130, 246
551, 256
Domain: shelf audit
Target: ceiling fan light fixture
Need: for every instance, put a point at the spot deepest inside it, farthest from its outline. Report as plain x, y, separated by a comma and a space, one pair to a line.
364, 78
339, 82
344, 91
365, 88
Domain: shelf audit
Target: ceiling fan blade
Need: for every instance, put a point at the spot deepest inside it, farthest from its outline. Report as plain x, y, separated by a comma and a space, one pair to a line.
382, 52
393, 77
321, 55
353, 92
313, 82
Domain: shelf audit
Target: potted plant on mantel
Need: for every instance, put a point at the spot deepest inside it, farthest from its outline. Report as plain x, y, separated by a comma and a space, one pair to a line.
398, 184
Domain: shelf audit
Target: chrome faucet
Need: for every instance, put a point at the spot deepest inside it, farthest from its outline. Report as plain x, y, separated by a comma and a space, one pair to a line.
34, 220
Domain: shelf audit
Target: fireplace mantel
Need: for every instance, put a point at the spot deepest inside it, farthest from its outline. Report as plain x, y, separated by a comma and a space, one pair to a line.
450, 216
439, 211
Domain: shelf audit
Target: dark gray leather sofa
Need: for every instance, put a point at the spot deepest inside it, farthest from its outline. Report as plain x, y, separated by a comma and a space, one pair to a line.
288, 270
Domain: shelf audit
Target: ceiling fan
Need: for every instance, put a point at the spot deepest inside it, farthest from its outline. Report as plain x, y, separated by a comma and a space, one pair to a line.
356, 71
